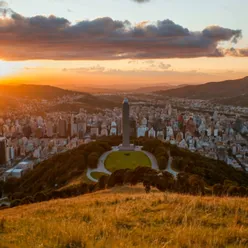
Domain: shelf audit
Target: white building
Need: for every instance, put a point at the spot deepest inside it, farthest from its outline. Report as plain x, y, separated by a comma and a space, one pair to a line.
152, 133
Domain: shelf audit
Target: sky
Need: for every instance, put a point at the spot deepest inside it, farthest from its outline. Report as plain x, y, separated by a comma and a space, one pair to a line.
102, 43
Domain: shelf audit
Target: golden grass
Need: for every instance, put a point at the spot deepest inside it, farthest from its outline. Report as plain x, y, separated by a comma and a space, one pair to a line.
127, 217
76, 181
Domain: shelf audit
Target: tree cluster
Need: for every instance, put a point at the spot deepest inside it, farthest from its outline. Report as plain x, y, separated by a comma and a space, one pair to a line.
159, 150
212, 171
57, 171
20, 199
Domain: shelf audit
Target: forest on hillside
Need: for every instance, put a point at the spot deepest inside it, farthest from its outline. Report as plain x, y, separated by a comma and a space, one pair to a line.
49, 177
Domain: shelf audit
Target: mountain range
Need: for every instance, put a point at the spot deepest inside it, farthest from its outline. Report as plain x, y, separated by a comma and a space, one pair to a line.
34, 91
228, 91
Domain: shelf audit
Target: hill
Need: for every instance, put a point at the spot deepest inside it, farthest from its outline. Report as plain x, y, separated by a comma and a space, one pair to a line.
155, 87
127, 217
88, 102
63, 170
34, 91
56, 172
241, 100
224, 89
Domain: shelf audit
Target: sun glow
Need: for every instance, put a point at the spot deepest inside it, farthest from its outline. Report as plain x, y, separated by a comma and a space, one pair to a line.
11, 68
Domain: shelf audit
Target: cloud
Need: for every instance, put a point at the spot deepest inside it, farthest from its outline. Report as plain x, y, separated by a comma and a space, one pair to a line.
3, 4
242, 52
40, 37
141, 1
164, 66
93, 69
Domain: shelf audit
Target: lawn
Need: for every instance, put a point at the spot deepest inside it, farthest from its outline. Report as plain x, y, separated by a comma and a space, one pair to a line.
126, 159
97, 175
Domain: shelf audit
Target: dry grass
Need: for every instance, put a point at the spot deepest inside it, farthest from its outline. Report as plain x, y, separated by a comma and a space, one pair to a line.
127, 217
76, 181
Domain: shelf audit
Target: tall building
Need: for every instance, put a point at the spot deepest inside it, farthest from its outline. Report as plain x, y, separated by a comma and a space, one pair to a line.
133, 132
3, 150
125, 124
62, 128
49, 129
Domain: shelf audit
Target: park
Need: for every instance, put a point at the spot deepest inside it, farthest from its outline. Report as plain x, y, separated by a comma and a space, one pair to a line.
126, 160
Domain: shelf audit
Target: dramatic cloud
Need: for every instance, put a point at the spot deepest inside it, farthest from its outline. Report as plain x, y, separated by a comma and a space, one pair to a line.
52, 37
141, 1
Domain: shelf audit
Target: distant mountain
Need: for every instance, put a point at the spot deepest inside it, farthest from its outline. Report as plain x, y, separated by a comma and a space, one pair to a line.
88, 102
153, 88
88, 89
34, 91
213, 90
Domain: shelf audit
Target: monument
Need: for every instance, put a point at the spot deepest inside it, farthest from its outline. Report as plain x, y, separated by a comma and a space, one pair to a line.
126, 127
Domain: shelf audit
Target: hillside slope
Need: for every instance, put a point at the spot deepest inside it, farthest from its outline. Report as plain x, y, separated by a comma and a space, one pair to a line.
224, 89
34, 91
65, 168
127, 217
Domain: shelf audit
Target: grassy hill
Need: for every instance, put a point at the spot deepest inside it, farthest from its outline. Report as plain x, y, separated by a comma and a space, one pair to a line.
127, 217
64, 169
224, 89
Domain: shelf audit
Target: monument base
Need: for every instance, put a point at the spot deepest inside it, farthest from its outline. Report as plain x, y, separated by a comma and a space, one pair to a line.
131, 147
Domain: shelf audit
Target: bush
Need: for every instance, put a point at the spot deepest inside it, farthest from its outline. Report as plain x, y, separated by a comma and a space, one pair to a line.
15, 203
218, 189
40, 196
232, 191
162, 162
103, 181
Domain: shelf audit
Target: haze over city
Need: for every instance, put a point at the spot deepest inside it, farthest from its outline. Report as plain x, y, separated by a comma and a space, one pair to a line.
122, 43
123, 123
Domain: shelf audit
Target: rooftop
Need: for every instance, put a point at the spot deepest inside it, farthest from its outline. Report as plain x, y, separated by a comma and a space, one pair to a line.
125, 100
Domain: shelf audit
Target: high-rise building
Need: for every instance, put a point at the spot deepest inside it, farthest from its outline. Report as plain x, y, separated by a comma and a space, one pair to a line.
125, 124
132, 123
49, 129
3, 150
62, 128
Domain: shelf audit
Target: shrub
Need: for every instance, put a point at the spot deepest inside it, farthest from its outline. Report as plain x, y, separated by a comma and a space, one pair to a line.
218, 189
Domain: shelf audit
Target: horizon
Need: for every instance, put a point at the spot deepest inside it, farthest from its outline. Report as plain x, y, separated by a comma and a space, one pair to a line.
160, 42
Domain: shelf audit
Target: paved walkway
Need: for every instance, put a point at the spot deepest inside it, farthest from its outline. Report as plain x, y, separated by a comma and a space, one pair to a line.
101, 167
169, 169
152, 159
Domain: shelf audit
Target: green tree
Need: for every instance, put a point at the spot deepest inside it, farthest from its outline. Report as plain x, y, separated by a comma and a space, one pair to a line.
93, 160
162, 162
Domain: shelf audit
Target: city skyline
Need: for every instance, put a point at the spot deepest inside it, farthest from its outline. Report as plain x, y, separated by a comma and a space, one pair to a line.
168, 42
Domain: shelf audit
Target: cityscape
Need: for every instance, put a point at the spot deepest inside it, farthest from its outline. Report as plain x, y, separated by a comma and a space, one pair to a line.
123, 124
219, 133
